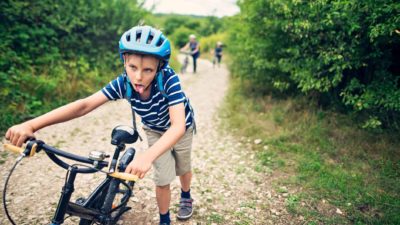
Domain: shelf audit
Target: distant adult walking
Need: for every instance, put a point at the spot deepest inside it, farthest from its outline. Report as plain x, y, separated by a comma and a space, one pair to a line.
217, 54
194, 48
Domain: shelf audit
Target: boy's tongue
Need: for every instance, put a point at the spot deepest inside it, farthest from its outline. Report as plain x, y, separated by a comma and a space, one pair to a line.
139, 88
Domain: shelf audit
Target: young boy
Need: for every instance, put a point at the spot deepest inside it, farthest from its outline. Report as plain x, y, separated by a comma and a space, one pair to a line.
217, 54
154, 92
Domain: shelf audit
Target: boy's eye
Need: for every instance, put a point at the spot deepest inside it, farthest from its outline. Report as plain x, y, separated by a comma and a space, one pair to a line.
148, 70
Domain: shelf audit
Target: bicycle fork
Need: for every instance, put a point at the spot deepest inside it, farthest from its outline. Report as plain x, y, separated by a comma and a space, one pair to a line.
66, 193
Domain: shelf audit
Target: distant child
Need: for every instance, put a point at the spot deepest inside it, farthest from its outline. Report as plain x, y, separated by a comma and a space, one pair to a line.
217, 54
156, 95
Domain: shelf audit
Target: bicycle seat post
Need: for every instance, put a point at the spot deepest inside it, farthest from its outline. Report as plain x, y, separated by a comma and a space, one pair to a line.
66, 193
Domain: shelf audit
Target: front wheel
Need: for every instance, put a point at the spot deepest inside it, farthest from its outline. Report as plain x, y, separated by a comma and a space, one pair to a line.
112, 203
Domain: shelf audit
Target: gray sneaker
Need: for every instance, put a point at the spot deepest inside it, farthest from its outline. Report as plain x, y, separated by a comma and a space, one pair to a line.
185, 208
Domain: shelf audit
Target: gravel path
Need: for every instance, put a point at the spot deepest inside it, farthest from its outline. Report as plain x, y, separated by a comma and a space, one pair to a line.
226, 187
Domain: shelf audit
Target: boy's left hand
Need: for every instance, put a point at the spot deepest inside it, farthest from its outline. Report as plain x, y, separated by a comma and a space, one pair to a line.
140, 165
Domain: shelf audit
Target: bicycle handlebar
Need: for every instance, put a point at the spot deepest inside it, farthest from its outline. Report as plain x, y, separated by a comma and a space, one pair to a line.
34, 146
13, 148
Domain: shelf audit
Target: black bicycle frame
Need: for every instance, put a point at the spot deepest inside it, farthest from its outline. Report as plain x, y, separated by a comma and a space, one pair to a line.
66, 193
64, 201
63, 206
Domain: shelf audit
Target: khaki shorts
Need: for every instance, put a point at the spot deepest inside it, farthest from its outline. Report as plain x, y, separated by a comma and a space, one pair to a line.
174, 162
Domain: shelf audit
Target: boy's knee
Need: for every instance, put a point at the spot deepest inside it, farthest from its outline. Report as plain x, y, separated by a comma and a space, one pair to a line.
164, 187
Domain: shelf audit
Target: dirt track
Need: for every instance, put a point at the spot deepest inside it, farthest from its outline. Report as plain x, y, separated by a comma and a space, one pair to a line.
226, 188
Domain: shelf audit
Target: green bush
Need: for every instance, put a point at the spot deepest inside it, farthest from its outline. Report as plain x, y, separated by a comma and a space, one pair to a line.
208, 43
52, 53
181, 36
341, 52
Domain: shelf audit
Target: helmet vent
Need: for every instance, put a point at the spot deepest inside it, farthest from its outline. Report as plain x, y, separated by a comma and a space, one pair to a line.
151, 36
138, 35
160, 42
128, 38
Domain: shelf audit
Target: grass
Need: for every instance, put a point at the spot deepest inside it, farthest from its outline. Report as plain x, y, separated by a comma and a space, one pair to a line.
325, 153
215, 218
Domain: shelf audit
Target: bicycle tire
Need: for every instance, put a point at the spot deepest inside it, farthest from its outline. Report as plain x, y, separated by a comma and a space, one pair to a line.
106, 202
97, 206
105, 199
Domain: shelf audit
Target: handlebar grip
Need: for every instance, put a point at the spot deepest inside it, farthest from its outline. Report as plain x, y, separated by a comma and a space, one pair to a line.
124, 176
13, 148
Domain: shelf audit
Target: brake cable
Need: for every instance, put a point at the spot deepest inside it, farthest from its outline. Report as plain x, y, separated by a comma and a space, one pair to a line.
19, 159
5, 189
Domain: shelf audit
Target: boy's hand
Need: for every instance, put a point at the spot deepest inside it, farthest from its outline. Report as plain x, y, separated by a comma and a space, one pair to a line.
18, 134
140, 165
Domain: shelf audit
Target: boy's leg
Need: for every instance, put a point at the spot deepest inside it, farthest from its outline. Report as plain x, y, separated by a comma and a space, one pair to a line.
163, 195
182, 153
194, 64
164, 174
186, 180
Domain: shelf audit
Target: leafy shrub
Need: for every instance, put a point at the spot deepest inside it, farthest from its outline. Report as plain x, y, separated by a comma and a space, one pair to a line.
344, 52
53, 53
181, 36
208, 43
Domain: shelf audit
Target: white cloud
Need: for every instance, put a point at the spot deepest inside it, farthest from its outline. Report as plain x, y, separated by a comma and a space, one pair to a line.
194, 7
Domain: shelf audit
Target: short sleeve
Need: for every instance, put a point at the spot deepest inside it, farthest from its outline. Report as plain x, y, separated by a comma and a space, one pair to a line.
115, 89
173, 89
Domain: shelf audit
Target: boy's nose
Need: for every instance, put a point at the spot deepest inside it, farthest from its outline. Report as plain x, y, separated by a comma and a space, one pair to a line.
138, 75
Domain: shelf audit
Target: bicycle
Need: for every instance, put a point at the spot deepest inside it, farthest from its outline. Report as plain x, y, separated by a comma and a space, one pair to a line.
108, 202
185, 61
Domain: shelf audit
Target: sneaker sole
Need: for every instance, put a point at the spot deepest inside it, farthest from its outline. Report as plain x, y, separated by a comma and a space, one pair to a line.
185, 217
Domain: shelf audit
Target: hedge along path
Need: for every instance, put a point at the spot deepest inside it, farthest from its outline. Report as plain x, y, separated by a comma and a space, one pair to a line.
226, 188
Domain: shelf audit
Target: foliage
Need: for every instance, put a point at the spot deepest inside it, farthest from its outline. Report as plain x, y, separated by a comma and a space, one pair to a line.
208, 43
328, 163
173, 62
181, 36
174, 26
52, 53
344, 52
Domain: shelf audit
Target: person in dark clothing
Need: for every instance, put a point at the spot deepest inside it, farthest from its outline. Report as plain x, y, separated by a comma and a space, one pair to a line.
194, 47
217, 54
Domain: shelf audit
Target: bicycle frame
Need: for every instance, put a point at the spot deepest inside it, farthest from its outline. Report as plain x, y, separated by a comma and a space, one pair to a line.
65, 206
85, 209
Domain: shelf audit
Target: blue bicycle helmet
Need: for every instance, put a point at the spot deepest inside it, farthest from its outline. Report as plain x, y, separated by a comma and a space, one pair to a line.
145, 40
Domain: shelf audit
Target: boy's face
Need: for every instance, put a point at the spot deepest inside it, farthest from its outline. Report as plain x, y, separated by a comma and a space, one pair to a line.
141, 70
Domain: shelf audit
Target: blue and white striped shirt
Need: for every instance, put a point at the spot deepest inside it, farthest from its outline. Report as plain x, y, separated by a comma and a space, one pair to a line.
154, 110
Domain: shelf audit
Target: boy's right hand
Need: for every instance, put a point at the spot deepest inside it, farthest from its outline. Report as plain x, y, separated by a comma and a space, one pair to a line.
18, 134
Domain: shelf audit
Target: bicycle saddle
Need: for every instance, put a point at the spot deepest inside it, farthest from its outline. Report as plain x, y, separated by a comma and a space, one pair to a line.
123, 135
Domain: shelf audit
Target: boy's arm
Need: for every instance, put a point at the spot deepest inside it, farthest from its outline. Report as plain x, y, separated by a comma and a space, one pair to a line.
185, 47
196, 49
142, 162
19, 133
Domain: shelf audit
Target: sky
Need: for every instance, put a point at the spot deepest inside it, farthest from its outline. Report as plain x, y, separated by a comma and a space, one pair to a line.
194, 7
